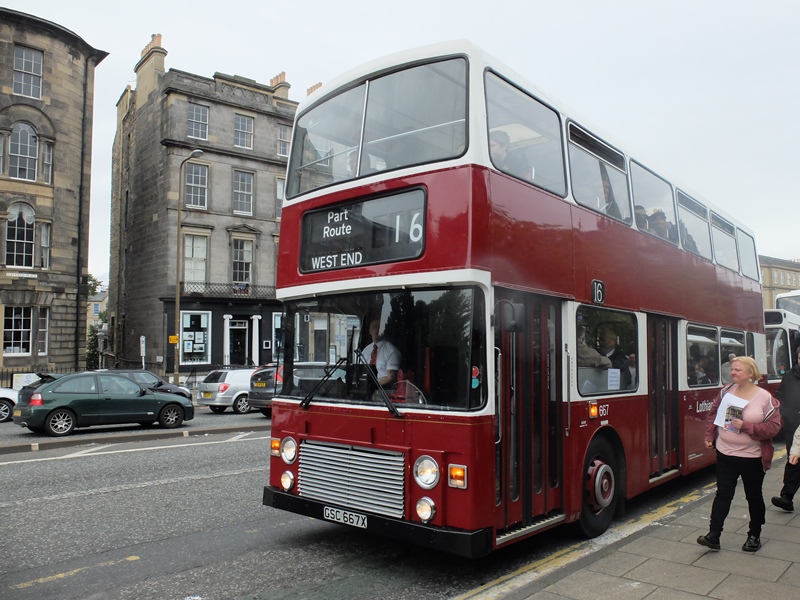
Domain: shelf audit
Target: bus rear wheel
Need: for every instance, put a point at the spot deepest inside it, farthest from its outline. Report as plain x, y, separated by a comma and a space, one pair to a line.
600, 488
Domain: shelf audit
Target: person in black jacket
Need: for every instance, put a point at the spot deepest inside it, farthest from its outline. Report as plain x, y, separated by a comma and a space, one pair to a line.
789, 395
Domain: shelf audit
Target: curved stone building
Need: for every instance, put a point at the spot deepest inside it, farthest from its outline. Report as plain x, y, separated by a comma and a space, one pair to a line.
46, 108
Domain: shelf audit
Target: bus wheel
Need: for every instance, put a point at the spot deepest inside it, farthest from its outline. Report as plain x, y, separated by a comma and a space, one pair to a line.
599, 488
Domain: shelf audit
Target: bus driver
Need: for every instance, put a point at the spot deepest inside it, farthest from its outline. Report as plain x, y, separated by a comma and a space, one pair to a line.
383, 354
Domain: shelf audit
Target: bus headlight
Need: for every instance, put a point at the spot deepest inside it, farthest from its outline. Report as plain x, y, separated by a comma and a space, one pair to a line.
288, 450
287, 481
426, 472
426, 509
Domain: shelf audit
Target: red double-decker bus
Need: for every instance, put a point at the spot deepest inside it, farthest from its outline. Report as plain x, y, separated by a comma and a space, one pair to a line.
552, 315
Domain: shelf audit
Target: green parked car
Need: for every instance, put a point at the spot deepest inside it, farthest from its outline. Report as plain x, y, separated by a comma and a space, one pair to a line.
86, 399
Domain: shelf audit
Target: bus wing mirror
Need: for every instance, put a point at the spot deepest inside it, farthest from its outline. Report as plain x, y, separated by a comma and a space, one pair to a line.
510, 316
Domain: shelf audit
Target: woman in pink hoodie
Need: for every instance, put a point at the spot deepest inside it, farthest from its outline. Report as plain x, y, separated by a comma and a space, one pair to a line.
741, 424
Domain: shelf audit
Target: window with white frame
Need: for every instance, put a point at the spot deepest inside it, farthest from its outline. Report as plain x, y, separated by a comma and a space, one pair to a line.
242, 260
196, 185
23, 152
195, 257
47, 162
28, 72
19, 235
198, 121
44, 243
243, 192
195, 336
243, 131
284, 138
280, 195
17, 330
43, 333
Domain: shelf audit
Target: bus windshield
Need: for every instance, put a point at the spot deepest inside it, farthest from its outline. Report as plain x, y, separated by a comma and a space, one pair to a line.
418, 348
409, 117
789, 302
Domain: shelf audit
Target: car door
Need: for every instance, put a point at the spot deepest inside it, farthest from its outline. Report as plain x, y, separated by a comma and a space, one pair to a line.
123, 401
80, 395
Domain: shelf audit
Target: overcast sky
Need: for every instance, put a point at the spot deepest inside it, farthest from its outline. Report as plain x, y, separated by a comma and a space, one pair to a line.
704, 92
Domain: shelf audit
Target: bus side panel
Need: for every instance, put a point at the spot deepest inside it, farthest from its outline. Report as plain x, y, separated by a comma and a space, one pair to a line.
695, 405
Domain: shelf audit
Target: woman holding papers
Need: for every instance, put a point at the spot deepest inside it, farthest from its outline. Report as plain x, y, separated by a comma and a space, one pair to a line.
741, 424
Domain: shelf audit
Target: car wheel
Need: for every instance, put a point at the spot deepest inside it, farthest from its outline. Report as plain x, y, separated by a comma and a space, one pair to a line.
267, 412
217, 409
241, 405
6, 410
171, 416
60, 422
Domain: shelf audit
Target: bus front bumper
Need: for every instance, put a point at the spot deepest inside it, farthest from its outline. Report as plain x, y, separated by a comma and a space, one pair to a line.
469, 544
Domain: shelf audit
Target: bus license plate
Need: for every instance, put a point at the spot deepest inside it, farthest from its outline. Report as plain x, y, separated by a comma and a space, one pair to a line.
345, 517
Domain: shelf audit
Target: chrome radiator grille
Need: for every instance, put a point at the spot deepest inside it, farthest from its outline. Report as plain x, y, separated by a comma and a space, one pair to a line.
365, 480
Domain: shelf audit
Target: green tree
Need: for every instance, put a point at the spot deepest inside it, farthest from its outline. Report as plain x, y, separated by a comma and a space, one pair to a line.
94, 284
92, 352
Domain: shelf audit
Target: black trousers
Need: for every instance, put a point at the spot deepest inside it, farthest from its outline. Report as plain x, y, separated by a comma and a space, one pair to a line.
729, 469
791, 473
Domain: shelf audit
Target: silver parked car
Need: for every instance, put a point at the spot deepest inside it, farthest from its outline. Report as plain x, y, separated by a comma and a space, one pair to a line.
225, 387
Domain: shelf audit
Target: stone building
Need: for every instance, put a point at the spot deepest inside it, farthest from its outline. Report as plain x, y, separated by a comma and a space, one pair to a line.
212, 152
778, 276
46, 112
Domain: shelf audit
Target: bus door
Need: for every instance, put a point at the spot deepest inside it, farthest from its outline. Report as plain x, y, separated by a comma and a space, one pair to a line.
663, 418
528, 445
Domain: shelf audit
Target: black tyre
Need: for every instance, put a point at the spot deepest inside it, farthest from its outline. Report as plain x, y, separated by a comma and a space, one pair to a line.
241, 405
60, 422
217, 409
267, 412
6, 411
600, 488
171, 416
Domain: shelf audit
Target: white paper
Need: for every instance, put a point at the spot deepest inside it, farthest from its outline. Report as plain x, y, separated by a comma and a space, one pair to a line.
729, 400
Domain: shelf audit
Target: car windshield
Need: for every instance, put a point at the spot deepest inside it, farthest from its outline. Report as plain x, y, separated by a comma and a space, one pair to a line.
411, 348
409, 117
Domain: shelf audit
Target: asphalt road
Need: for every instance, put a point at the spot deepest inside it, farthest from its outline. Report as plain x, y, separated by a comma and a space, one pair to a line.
150, 514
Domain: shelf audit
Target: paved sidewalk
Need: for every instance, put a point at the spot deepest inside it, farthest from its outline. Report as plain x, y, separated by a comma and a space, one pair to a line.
664, 562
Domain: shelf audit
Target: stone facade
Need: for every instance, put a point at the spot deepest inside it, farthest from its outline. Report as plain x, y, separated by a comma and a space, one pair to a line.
778, 276
230, 213
46, 112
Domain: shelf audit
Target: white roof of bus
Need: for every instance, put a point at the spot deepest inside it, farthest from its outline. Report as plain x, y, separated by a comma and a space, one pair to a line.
478, 56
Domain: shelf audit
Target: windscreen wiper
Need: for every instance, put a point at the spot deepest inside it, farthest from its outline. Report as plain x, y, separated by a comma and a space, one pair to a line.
374, 378
328, 372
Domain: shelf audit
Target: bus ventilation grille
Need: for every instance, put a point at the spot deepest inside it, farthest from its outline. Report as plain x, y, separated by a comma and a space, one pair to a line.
364, 480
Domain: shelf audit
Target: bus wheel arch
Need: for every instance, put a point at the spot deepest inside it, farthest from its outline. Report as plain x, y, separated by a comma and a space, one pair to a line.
603, 487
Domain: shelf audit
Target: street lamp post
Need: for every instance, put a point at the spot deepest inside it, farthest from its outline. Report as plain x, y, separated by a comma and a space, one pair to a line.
179, 247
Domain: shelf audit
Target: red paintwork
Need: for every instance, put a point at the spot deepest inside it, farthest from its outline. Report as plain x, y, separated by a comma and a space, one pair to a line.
535, 241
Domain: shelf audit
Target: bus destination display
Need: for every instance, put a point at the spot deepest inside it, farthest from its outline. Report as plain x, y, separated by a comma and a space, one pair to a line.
374, 231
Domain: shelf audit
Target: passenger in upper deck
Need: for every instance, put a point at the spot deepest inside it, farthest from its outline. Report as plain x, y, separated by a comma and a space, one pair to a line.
503, 158
641, 217
661, 227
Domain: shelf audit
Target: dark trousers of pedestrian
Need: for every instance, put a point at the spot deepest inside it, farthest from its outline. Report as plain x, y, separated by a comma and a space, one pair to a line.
729, 469
791, 473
